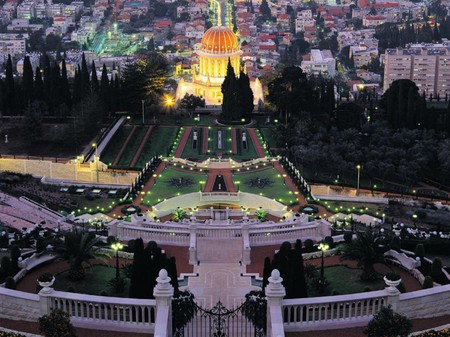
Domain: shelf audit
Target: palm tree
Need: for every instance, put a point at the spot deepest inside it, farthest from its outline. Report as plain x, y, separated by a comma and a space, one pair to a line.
78, 249
368, 248
179, 214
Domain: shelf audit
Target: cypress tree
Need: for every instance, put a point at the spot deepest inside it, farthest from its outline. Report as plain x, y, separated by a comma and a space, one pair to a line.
56, 92
10, 92
94, 78
266, 272
229, 94
38, 86
77, 88
27, 81
85, 85
105, 91
65, 90
300, 289
139, 276
245, 94
411, 111
47, 82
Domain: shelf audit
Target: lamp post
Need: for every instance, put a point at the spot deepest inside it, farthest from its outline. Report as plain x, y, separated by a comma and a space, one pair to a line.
358, 168
323, 247
96, 157
116, 247
143, 111
414, 216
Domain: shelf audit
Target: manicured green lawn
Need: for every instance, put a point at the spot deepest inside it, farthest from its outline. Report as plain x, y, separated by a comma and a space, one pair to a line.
96, 281
115, 144
164, 190
189, 151
270, 136
132, 146
226, 140
245, 154
274, 190
344, 280
157, 144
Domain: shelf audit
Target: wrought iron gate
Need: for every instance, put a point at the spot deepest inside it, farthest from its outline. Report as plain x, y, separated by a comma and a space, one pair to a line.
248, 320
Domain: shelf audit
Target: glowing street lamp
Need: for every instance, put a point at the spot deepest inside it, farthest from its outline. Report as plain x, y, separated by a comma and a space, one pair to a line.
116, 247
323, 247
358, 168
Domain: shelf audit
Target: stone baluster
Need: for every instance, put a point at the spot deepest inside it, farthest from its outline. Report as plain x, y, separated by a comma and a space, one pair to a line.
163, 293
275, 292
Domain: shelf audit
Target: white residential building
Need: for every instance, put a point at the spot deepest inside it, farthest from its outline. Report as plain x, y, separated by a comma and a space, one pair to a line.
319, 62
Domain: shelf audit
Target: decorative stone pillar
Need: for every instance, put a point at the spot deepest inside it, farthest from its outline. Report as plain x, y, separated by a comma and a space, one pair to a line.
193, 244
246, 253
275, 292
163, 293
45, 299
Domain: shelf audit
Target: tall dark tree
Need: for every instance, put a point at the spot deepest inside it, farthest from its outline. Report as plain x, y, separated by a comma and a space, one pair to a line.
55, 89
94, 79
144, 79
229, 93
10, 92
105, 91
245, 94
27, 81
65, 90
47, 81
84, 76
138, 284
38, 86
77, 87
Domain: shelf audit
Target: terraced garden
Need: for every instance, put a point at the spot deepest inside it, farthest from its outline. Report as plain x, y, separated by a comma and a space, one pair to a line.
268, 183
213, 150
133, 146
172, 183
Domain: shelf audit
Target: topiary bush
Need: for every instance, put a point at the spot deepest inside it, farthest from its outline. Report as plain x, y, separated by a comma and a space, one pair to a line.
309, 246
419, 251
10, 283
387, 323
348, 237
436, 267
56, 324
329, 241
427, 282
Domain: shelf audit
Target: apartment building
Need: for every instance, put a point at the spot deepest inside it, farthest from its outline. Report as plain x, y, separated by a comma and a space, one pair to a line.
428, 65
319, 62
12, 44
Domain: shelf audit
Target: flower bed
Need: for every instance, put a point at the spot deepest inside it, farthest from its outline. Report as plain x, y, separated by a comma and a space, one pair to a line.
433, 333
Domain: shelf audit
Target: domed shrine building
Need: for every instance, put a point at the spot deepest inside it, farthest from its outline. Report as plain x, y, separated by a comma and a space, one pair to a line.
218, 45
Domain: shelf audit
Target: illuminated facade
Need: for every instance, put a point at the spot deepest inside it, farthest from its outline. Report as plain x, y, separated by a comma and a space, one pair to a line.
219, 44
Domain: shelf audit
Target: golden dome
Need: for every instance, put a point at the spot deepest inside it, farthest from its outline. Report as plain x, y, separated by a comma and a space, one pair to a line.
219, 40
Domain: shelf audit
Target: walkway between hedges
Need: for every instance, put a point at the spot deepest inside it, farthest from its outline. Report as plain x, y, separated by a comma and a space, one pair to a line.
124, 146
143, 142
259, 149
183, 141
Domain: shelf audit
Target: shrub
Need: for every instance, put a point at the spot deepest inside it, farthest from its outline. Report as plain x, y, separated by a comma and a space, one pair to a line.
45, 277
401, 287
419, 251
320, 284
427, 282
396, 243
110, 240
56, 324
40, 244
436, 267
310, 271
367, 289
70, 289
10, 283
387, 323
392, 276
309, 245
329, 241
117, 285
348, 237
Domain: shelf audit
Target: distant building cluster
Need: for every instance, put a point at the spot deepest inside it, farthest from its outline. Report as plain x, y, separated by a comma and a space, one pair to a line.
428, 65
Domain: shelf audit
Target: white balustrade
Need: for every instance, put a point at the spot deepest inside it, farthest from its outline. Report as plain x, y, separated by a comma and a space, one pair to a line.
109, 313
303, 314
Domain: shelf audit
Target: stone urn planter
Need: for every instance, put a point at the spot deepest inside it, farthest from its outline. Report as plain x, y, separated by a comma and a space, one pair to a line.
46, 280
392, 280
